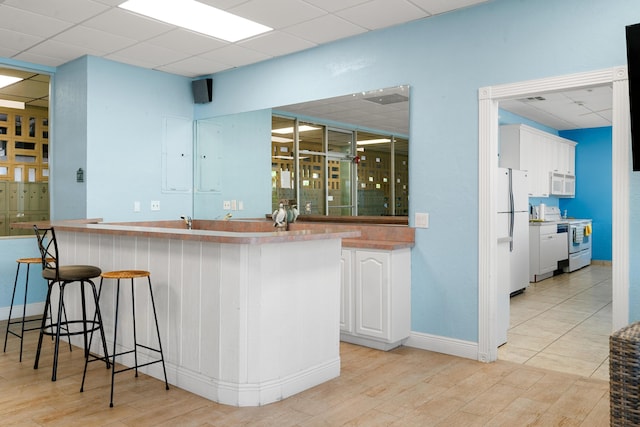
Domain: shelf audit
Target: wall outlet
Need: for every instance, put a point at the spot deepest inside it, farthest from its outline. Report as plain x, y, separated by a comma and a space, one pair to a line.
155, 205
226, 205
422, 220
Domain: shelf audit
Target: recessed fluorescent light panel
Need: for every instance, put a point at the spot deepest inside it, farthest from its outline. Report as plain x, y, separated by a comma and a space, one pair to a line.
198, 17
374, 141
302, 128
12, 104
8, 80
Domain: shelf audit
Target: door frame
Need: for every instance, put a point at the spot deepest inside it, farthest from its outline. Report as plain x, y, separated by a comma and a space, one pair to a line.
488, 100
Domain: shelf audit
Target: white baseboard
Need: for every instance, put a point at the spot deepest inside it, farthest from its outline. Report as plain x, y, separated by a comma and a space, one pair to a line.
451, 346
34, 309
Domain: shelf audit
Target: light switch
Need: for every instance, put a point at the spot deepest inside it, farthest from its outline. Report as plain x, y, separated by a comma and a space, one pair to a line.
136, 206
422, 220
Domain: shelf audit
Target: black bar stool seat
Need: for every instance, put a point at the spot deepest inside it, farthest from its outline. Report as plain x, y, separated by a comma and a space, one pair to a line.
118, 275
61, 276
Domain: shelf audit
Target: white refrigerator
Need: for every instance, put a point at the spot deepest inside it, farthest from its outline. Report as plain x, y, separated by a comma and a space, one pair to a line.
512, 222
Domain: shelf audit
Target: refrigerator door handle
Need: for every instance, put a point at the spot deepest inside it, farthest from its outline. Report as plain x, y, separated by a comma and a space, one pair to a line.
511, 213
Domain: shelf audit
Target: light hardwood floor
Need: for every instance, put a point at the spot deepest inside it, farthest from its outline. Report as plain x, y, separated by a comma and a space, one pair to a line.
403, 387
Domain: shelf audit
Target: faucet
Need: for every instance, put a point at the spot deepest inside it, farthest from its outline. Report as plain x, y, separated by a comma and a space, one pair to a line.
188, 221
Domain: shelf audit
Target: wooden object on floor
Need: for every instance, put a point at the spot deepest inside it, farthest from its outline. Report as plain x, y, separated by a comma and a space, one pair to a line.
624, 374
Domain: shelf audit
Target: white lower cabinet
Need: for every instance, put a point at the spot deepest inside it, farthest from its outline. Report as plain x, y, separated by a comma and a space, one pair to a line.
546, 248
376, 297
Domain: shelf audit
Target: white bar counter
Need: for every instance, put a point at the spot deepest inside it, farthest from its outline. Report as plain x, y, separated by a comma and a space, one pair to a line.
246, 318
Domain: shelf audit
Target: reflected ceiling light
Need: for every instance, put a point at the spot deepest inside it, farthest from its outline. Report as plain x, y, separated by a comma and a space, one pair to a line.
282, 157
12, 104
280, 139
8, 80
198, 17
303, 128
374, 141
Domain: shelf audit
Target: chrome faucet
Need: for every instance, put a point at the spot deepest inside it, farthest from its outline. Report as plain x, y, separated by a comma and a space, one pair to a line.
188, 221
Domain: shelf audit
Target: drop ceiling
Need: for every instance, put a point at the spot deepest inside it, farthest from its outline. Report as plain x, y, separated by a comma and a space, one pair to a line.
53, 32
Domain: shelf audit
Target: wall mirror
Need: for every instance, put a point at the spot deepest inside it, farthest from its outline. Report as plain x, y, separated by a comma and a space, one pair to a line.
340, 156
343, 156
24, 149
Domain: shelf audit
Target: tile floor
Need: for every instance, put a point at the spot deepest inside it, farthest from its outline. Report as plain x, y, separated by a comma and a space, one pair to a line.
563, 324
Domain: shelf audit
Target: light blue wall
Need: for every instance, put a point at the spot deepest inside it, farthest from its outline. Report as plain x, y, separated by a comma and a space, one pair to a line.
10, 250
66, 157
124, 140
445, 59
242, 145
593, 186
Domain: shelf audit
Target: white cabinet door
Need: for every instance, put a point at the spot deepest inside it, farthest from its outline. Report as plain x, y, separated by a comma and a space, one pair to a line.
553, 248
346, 291
540, 153
372, 294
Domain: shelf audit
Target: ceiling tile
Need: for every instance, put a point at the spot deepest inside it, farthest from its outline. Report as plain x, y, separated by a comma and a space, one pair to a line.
276, 43
38, 58
65, 10
17, 40
151, 54
129, 25
30, 23
382, 13
92, 39
335, 5
435, 7
277, 13
194, 67
315, 30
235, 55
63, 51
187, 41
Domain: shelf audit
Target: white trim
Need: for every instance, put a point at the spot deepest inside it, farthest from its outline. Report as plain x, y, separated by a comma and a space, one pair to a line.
451, 346
488, 98
34, 309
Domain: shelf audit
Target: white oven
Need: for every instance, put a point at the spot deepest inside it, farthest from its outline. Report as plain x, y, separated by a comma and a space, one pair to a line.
580, 236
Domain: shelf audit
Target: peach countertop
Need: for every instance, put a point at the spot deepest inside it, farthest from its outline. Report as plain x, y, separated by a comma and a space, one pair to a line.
177, 230
253, 231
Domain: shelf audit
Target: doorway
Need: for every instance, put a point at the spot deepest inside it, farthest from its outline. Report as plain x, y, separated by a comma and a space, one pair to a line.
489, 98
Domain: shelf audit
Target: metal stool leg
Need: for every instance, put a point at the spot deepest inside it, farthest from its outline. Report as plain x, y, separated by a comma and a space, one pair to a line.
155, 318
47, 306
115, 338
13, 295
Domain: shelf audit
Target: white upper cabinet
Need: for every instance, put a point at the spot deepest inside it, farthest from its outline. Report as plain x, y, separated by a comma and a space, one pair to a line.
549, 159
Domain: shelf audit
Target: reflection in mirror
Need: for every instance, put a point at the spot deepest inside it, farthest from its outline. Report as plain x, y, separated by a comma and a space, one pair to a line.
24, 150
317, 165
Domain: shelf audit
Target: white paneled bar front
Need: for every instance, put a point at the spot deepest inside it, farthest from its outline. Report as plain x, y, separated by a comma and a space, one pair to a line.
243, 324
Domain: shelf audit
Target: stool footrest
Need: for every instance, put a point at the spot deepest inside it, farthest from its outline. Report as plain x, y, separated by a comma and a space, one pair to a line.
51, 329
138, 366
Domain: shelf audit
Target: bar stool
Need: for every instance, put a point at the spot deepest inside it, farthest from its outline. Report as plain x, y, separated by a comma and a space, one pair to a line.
21, 321
118, 275
62, 275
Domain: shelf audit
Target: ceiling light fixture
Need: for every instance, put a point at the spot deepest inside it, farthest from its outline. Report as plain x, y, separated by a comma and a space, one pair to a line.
374, 141
12, 104
8, 80
198, 17
303, 128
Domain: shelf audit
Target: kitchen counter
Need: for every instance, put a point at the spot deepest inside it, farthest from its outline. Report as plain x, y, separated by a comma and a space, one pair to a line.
247, 317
